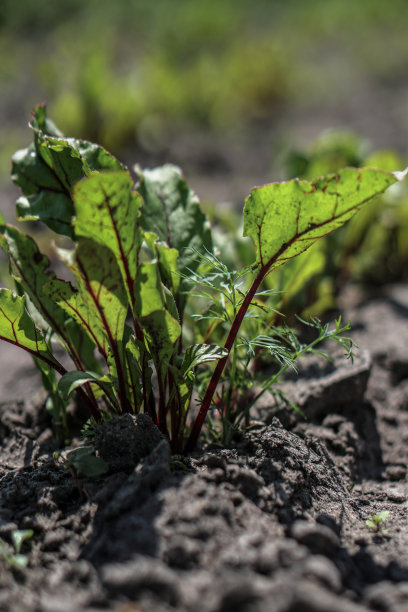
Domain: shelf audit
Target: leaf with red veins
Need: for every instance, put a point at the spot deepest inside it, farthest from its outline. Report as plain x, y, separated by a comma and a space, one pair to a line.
284, 219
107, 211
17, 327
31, 269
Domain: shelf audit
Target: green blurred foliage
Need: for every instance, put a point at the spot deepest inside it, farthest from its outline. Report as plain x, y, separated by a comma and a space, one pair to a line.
110, 69
136, 71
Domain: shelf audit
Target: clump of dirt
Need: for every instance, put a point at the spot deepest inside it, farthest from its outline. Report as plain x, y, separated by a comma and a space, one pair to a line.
275, 523
124, 440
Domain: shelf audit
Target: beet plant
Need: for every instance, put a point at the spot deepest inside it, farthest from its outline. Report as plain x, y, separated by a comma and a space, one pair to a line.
139, 249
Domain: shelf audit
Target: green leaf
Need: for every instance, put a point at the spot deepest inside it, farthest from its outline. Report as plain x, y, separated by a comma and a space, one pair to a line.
48, 377
134, 351
104, 298
72, 380
84, 460
27, 264
292, 280
149, 290
139, 373
30, 269
19, 536
162, 332
100, 284
53, 209
382, 517
201, 353
18, 561
172, 211
99, 305
285, 219
48, 170
84, 346
41, 123
17, 327
46, 173
107, 211
168, 265
161, 328
95, 156
73, 303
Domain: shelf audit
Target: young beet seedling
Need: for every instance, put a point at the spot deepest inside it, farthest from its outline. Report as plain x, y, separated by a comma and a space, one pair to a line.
135, 254
377, 522
13, 558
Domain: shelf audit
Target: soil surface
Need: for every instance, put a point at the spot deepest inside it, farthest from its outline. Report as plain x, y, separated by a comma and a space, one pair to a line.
276, 523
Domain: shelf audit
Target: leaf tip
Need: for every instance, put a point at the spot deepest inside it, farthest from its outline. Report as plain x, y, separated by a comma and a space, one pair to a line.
400, 175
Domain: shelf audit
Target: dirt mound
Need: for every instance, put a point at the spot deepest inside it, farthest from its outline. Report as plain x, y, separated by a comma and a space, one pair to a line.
275, 523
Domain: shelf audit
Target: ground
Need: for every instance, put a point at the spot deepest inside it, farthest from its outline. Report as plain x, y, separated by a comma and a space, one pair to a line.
275, 523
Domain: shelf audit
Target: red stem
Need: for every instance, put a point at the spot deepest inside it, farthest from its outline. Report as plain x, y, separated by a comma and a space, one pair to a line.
205, 404
198, 423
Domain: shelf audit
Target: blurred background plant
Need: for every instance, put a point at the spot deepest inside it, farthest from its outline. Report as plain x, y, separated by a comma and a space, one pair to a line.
237, 94
153, 76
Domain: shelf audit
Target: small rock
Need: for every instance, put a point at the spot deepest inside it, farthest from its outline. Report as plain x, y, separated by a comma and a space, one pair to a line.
247, 481
53, 539
241, 597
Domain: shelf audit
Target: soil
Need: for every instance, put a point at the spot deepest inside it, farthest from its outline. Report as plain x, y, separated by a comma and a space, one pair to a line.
274, 523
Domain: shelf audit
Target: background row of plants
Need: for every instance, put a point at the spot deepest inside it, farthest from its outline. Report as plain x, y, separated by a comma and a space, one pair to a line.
140, 73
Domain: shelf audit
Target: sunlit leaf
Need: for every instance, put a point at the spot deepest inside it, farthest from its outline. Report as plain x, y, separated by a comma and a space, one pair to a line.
201, 353
284, 219
47, 171
17, 327
31, 269
107, 211
161, 328
19, 536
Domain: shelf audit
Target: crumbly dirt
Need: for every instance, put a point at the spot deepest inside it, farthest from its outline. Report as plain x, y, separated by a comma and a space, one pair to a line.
275, 523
